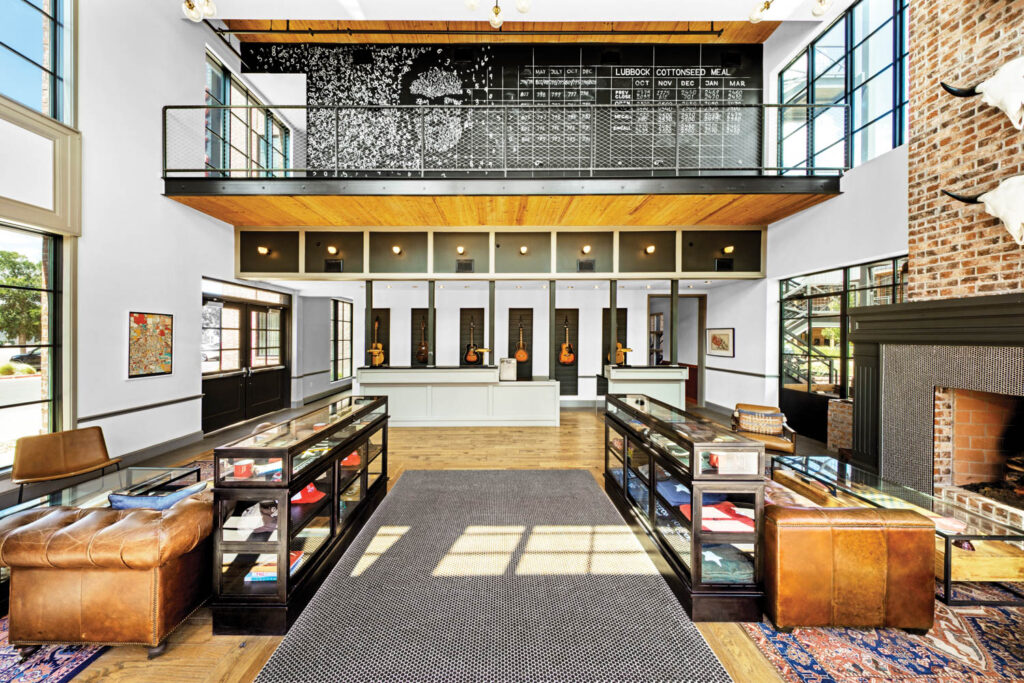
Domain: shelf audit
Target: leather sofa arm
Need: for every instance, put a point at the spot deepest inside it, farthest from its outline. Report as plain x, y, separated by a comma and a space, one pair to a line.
64, 537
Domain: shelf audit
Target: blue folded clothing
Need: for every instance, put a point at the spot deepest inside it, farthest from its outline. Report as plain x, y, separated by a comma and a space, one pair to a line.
674, 493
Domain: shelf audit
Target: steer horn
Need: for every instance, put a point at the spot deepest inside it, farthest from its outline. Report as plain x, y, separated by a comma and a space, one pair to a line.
966, 199
961, 92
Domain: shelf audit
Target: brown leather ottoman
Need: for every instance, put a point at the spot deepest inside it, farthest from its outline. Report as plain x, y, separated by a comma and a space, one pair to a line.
859, 567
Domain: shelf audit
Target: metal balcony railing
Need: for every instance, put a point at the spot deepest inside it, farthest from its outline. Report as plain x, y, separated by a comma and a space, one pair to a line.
436, 141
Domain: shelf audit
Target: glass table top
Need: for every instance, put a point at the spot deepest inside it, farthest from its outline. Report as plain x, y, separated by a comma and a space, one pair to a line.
94, 492
950, 519
693, 427
294, 431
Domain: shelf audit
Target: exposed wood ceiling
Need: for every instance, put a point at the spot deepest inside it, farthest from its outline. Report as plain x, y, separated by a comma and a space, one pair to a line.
506, 210
732, 32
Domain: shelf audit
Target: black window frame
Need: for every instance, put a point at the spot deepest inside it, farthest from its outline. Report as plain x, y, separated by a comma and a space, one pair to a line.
55, 331
848, 296
336, 359
899, 96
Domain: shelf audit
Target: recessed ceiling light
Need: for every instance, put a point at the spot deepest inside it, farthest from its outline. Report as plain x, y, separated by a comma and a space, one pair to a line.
331, 249
649, 249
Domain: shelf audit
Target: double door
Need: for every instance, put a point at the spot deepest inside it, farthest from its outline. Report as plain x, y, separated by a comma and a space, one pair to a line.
245, 365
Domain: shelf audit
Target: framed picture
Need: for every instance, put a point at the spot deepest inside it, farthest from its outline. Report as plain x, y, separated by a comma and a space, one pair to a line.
150, 344
721, 341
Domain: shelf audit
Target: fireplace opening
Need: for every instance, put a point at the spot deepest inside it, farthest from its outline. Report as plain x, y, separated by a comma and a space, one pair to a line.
988, 445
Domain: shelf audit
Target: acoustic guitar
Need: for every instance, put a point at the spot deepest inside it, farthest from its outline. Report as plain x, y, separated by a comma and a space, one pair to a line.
620, 354
567, 355
521, 355
422, 350
471, 357
376, 348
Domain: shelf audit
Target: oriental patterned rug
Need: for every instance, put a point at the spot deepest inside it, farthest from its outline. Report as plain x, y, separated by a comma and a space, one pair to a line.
966, 644
51, 663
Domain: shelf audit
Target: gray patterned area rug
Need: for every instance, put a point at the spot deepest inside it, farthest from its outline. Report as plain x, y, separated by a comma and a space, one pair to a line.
494, 576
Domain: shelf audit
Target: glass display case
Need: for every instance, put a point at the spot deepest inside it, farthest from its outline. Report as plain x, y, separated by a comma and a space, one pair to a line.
288, 500
697, 489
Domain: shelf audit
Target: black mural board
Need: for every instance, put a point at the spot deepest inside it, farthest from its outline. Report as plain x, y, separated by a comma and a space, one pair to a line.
620, 333
632, 77
567, 375
383, 333
524, 317
417, 316
476, 315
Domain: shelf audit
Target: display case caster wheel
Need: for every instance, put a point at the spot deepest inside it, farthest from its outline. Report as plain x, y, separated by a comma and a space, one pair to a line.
26, 651
155, 652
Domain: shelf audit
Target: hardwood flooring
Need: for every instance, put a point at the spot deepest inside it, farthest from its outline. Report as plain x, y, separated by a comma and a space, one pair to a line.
196, 655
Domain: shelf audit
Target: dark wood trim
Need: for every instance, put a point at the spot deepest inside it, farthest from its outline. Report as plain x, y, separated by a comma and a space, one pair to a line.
501, 186
148, 406
977, 321
760, 375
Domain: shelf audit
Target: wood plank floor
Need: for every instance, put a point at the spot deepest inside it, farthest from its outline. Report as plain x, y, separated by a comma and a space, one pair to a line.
196, 655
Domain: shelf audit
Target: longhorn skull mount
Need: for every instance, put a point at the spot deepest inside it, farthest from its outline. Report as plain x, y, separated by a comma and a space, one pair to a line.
1003, 90
1005, 202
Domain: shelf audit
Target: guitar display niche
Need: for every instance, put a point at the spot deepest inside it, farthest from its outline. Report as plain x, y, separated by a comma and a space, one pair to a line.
376, 350
620, 354
566, 355
472, 356
422, 350
521, 354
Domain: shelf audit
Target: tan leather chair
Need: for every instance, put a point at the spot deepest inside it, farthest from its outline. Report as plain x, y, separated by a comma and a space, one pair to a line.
857, 567
784, 440
58, 455
102, 576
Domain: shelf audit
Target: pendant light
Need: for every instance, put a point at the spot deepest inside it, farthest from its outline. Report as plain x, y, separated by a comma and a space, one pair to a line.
758, 14
496, 19
820, 7
523, 6
197, 10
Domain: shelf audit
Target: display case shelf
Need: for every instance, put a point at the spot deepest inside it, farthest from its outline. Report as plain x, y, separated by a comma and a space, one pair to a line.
696, 490
288, 500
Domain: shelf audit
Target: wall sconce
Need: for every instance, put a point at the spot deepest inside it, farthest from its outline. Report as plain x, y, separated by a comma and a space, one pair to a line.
460, 250
262, 250
729, 249
331, 249
523, 250
586, 249
396, 250
649, 249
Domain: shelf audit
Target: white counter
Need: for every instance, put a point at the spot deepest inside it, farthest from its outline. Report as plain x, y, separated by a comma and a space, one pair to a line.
460, 397
663, 382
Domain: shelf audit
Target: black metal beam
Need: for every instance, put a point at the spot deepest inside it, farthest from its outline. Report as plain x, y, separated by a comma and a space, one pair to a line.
312, 33
501, 186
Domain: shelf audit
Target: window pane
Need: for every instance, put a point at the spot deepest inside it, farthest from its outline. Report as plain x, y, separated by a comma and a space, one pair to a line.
818, 283
25, 29
18, 422
794, 149
871, 275
825, 305
794, 78
230, 360
869, 15
874, 296
833, 157
830, 87
795, 372
795, 335
873, 140
873, 99
829, 127
794, 119
22, 81
830, 48
873, 55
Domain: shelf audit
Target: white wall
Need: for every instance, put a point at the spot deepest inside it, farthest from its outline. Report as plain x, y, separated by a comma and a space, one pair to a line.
139, 251
687, 326
742, 305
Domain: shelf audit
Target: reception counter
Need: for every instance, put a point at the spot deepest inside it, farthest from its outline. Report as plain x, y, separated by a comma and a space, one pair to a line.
664, 382
460, 397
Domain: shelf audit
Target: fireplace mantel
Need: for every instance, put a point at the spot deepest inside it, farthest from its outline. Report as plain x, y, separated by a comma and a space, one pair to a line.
987, 323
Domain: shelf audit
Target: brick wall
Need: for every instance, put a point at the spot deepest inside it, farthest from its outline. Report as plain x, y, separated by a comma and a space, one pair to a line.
963, 145
840, 424
942, 437
979, 421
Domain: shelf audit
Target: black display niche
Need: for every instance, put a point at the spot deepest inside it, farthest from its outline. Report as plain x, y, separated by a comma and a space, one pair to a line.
639, 132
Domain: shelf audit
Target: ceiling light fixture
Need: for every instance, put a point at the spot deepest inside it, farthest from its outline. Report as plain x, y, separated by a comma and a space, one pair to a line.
472, 4
758, 14
586, 248
197, 10
820, 7
331, 249
496, 19
523, 250
460, 250
523, 6
396, 250
729, 249
262, 250
649, 249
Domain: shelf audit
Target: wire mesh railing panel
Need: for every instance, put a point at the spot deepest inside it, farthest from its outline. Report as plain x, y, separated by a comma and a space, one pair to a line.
652, 140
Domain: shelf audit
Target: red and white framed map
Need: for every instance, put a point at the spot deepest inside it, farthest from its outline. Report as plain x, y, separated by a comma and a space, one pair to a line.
150, 344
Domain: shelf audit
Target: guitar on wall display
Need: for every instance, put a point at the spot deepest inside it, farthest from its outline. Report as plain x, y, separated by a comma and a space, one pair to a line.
521, 355
376, 348
422, 350
471, 357
567, 355
620, 354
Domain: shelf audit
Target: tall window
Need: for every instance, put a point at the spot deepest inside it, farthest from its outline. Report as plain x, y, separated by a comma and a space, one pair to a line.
817, 355
34, 54
252, 142
242, 327
341, 339
29, 337
860, 61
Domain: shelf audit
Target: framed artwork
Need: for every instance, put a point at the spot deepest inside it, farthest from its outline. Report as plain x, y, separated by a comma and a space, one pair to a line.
721, 341
150, 344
